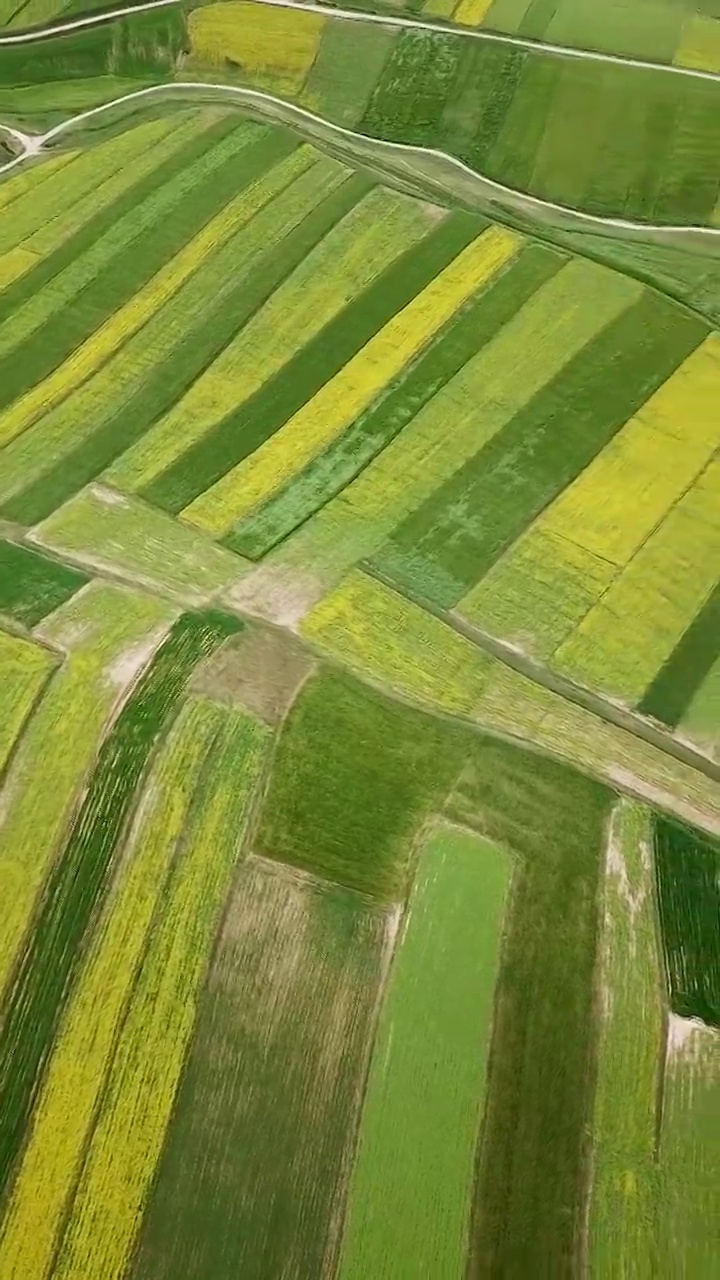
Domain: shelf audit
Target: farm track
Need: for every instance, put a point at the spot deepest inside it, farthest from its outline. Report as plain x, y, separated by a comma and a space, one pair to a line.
602, 707
279, 108
358, 15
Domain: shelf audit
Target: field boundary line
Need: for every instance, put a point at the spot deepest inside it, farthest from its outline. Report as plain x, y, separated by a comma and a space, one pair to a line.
611, 712
527, 202
390, 20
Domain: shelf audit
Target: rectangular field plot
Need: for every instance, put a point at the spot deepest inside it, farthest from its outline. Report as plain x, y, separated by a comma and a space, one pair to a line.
688, 872
354, 778
273, 48
142, 1078
690, 1149
31, 586
118, 534
271, 1088
410, 1193
624, 1205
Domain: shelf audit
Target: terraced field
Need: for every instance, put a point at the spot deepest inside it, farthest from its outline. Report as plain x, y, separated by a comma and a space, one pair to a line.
359, 662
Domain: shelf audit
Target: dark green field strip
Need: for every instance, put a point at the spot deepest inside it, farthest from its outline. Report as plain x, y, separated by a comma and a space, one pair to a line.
195, 351
255, 1159
355, 776
31, 586
48, 965
141, 44
221, 176
451, 542
691, 179
412, 92
328, 474
687, 866
678, 680
529, 1210
258, 418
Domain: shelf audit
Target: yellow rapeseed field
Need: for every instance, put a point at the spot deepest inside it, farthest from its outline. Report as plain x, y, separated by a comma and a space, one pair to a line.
619, 499
131, 317
109, 630
273, 44
15, 263
84, 1047
143, 1080
25, 667
622, 643
379, 633
537, 593
700, 44
357, 250
471, 12
352, 390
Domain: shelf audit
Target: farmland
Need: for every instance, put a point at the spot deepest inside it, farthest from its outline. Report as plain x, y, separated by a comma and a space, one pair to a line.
360, 645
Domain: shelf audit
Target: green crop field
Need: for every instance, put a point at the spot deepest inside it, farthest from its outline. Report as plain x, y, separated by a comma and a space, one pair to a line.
360, 641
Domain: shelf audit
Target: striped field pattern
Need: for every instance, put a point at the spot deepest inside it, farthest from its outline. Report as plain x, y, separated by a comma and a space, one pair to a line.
359, 649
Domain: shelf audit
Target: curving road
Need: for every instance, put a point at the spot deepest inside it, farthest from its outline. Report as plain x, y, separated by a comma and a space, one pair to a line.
516, 200
359, 15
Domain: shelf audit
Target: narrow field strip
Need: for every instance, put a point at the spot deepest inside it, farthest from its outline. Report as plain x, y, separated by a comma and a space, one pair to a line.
30, 178
449, 543
115, 409
130, 1129
690, 1148
25, 667
351, 392
111, 632
624, 1198
313, 365
526, 353
83, 1052
631, 632
346, 237
426, 1086
540, 590
108, 531
32, 586
131, 317
687, 866
691, 662
270, 1089
339, 462
381, 635
70, 445
78, 883
16, 263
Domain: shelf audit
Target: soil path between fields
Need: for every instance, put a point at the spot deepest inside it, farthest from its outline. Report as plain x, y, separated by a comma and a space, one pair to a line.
384, 20
491, 191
